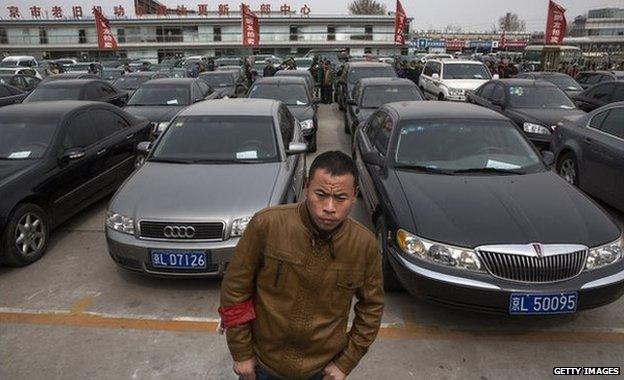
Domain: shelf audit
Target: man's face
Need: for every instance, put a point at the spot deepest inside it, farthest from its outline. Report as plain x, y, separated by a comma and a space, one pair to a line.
330, 198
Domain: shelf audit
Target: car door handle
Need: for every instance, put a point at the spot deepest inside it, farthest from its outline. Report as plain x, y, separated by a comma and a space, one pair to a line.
128, 137
101, 151
588, 140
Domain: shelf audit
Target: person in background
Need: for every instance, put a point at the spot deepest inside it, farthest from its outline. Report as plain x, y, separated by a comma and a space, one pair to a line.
269, 70
126, 68
328, 82
211, 65
92, 69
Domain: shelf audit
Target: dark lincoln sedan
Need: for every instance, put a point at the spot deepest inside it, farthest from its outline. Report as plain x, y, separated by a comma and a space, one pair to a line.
590, 153
537, 107
468, 214
56, 158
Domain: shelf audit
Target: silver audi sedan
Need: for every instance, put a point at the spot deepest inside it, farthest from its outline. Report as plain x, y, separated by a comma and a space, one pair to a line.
219, 161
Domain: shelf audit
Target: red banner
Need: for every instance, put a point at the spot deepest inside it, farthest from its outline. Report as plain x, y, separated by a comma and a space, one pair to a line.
555, 25
251, 29
106, 40
399, 24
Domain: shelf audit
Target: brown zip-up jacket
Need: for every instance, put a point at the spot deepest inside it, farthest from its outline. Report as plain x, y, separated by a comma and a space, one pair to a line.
302, 287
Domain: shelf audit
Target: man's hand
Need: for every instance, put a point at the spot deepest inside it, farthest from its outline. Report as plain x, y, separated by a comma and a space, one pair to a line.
332, 372
246, 369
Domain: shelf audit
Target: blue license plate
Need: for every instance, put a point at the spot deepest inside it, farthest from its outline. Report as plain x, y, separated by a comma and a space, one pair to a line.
560, 303
178, 259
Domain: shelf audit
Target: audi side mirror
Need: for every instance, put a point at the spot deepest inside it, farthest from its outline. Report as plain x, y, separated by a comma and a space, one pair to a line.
352, 102
548, 157
144, 147
296, 148
495, 76
373, 158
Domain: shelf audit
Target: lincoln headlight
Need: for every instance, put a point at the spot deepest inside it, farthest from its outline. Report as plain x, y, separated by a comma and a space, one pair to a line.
605, 255
119, 222
439, 253
307, 124
535, 129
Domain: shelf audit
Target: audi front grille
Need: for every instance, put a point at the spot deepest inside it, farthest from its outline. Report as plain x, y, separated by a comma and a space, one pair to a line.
532, 268
181, 231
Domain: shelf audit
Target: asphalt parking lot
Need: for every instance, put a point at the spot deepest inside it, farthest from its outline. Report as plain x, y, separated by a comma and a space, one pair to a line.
75, 315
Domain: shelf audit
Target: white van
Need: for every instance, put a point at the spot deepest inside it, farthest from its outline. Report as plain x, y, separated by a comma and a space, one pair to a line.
16, 61
445, 79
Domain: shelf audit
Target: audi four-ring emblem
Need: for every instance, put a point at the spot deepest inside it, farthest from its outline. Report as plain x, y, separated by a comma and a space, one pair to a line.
179, 232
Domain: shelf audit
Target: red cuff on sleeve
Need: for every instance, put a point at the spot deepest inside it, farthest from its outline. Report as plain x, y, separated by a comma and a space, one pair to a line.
237, 315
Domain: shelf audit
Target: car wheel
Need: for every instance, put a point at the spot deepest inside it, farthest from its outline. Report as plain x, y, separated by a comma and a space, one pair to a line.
568, 169
26, 235
390, 281
312, 147
139, 160
441, 97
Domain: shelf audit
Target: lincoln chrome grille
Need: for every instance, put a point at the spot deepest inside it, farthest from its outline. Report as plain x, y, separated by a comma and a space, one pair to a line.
182, 231
533, 269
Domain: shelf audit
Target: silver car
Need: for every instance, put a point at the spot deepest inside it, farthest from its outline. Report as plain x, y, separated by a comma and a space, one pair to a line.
220, 161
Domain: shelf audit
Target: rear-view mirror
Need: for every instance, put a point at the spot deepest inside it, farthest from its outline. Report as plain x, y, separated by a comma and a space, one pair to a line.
144, 147
548, 157
495, 76
296, 148
373, 158
316, 101
351, 102
435, 76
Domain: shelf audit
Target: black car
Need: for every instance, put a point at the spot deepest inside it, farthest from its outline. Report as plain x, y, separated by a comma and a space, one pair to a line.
159, 100
228, 61
300, 73
78, 89
563, 81
11, 95
600, 95
353, 72
589, 153
56, 158
295, 94
223, 82
588, 79
371, 93
111, 74
74, 75
23, 82
537, 107
130, 82
468, 214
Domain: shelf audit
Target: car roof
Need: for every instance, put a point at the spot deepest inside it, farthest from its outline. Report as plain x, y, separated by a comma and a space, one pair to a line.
71, 82
545, 74
139, 73
293, 73
18, 57
442, 110
450, 61
232, 107
281, 80
57, 109
380, 81
369, 64
169, 81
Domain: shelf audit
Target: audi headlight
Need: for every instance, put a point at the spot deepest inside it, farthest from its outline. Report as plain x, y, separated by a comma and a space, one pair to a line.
535, 129
239, 225
605, 255
120, 222
438, 253
161, 127
307, 124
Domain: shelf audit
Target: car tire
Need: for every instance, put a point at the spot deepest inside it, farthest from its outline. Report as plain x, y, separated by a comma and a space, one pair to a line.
441, 97
391, 282
346, 124
312, 147
567, 168
26, 235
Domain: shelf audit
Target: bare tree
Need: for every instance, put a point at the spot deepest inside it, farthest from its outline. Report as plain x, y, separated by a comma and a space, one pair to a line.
453, 29
366, 7
511, 22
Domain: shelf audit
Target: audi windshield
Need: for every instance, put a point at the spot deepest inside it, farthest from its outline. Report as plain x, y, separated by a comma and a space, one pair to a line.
130, 82
539, 97
160, 96
54, 93
216, 80
289, 94
218, 139
357, 73
376, 96
453, 147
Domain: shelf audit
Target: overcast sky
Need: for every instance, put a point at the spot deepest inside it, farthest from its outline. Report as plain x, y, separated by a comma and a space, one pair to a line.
469, 14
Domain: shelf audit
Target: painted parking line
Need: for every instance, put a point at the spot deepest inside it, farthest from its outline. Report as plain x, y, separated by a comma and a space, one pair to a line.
394, 331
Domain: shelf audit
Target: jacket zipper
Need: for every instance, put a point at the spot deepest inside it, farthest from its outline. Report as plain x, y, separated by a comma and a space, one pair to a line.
278, 273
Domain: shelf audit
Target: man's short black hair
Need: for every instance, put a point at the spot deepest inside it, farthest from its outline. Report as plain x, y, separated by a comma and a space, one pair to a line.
336, 163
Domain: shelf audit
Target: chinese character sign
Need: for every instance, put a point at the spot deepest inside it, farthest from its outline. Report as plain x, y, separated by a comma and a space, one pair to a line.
251, 29
14, 12
224, 10
556, 24
305, 10
399, 24
106, 40
202, 9
77, 11
119, 11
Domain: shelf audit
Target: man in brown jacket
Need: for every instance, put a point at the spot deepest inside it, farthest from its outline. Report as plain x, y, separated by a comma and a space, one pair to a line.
287, 293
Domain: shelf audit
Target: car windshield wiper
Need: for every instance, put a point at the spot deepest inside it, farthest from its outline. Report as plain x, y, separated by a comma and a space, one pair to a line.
171, 160
250, 161
425, 169
487, 170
